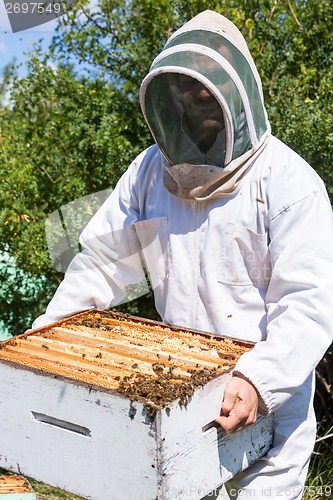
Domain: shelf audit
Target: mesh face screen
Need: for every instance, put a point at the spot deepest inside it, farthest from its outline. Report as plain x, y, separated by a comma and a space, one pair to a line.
185, 131
188, 122
225, 48
202, 100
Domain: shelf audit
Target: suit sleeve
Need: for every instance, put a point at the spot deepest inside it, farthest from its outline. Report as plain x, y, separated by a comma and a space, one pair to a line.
299, 301
110, 262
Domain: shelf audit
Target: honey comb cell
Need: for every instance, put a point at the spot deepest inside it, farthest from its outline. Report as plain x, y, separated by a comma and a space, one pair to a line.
142, 359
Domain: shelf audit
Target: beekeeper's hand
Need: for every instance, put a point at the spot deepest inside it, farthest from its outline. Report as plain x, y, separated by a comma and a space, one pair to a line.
240, 405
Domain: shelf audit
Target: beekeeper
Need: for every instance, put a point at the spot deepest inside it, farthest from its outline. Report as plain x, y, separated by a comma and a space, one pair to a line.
235, 230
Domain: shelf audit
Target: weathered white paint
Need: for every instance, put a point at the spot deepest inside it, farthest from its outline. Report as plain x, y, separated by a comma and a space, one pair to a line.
194, 461
91, 442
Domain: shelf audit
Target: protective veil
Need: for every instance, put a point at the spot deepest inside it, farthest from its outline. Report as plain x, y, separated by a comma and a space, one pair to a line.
207, 52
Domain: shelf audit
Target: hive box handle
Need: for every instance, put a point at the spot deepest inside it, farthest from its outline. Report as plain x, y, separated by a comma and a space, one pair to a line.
213, 425
60, 424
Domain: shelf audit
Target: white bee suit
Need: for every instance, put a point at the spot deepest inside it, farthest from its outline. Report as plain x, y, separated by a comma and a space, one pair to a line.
251, 258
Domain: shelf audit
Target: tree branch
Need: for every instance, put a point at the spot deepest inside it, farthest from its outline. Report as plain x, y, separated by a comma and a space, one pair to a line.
293, 13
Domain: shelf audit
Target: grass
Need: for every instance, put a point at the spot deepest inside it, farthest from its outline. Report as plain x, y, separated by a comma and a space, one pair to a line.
319, 483
45, 491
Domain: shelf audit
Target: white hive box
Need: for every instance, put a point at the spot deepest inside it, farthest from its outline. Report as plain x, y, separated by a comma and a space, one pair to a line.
108, 406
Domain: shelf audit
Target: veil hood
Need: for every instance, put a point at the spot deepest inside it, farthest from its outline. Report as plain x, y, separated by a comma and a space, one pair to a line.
210, 50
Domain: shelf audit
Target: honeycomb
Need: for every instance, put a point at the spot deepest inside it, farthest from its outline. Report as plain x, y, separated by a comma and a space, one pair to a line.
142, 359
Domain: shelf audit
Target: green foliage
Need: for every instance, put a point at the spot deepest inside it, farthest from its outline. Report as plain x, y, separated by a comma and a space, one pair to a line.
297, 78
62, 137
319, 482
20, 292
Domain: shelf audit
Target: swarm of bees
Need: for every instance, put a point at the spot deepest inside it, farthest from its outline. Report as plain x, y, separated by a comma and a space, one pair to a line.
159, 392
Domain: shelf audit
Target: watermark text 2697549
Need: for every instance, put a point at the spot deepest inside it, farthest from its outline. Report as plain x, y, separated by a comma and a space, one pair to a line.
25, 14
33, 7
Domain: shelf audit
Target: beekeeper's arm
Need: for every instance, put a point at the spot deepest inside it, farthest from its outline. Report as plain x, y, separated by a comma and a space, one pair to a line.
299, 303
110, 261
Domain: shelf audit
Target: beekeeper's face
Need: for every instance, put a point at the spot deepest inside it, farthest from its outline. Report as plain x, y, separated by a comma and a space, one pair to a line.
204, 116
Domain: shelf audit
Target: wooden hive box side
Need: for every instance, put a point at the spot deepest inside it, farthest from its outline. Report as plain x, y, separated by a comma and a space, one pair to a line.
62, 426
75, 437
196, 455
